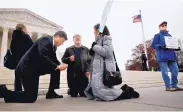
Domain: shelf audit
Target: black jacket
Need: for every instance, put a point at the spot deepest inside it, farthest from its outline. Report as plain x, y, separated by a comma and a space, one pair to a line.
40, 59
20, 44
85, 64
85, 58
143, 58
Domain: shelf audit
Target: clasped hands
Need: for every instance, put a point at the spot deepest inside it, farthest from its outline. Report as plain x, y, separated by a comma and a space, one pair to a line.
91, 52
62, 67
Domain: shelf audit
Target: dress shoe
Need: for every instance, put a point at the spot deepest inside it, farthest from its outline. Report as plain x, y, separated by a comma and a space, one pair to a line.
82, 95
135, 94
170, 89
131, 91
3, 90
125, 95
179, 89
52, 95
69, 92
125, 87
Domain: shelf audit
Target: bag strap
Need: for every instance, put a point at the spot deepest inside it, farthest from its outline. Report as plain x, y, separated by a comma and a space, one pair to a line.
117, 68
103, 58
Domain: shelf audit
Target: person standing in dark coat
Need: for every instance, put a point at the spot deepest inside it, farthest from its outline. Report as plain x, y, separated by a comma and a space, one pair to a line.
144, 62
78, 60
20, 44
39, 60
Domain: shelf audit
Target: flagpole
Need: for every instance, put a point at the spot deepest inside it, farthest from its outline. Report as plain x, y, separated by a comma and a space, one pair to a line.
144, 40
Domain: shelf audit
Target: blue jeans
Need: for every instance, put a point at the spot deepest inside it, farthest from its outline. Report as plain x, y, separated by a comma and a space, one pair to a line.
172, 65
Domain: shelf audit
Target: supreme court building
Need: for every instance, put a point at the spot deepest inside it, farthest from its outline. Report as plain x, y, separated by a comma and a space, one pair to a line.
37, 26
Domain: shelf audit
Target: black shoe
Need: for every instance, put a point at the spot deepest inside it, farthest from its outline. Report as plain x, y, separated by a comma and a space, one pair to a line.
74, 96
52, 95
179, 89
125, 95
131, 91
3, 90
82, 95
124, 87
69, 92
127, 88
135, 94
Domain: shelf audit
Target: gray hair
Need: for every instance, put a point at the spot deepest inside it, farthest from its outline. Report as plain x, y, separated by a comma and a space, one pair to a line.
75, 35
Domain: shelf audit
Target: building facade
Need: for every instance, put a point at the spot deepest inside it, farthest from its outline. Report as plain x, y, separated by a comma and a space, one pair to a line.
37, 26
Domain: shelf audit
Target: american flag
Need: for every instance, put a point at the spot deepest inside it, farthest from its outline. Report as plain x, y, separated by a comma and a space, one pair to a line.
137, 18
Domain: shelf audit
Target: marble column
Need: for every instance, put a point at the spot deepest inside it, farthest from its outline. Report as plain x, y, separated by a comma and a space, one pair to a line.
30, 34
4, 45
39, 35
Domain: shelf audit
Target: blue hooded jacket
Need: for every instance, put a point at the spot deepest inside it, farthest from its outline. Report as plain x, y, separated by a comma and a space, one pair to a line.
162, 54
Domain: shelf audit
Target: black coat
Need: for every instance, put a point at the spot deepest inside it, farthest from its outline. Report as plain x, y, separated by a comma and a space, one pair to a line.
143, 58
85, 63
85, 58
20, 44
40, 59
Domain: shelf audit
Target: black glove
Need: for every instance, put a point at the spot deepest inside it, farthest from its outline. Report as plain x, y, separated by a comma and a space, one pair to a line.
91, 52
178, 49
93, 44
164, 47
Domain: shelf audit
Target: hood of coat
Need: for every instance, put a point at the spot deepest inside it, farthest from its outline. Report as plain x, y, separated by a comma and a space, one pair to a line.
99, 37
17, 33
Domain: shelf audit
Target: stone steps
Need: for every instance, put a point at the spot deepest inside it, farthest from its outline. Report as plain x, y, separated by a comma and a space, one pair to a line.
7, 77
137, 79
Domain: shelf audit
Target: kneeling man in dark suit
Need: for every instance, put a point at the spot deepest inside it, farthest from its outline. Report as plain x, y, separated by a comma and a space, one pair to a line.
39, 60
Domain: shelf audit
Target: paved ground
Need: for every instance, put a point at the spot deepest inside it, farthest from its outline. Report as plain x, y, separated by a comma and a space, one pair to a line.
152, 99
149, 84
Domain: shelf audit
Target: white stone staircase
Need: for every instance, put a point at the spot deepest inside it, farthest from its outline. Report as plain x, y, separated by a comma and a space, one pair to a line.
137, 79
7, 77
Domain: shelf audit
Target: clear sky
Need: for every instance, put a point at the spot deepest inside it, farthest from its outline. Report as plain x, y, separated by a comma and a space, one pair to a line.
79, 16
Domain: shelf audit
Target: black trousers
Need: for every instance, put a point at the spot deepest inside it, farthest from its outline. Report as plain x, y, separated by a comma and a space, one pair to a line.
18, 82
30, 83
144, 67
79, 84
54, 81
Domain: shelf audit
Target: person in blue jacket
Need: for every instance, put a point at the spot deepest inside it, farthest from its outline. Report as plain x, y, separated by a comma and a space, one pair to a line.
166, 58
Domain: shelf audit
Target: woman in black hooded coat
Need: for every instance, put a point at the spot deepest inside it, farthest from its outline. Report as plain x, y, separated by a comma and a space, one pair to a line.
20, 44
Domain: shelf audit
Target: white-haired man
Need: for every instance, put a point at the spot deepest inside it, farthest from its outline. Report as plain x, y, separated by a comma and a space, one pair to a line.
78, 60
